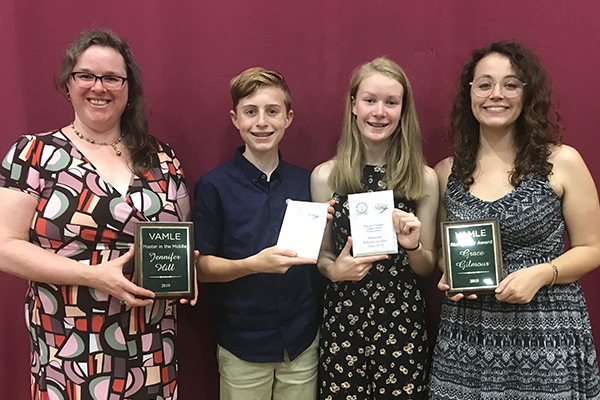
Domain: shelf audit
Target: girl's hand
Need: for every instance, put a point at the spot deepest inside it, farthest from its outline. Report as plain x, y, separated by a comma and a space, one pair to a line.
407, 227
444, 287
520, 286
349, 268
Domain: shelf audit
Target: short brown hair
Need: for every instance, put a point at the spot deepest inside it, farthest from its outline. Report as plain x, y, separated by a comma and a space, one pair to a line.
246, 83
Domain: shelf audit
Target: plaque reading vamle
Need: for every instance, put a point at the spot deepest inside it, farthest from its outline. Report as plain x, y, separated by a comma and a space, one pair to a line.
472, 255
164, 258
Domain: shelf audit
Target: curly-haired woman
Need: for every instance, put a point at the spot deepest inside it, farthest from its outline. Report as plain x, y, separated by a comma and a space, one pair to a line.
531, 339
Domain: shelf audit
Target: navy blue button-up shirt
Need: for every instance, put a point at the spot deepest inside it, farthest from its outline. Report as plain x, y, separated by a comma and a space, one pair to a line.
237, 214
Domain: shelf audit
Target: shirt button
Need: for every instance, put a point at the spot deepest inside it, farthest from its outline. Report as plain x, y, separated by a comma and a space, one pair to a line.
263, 176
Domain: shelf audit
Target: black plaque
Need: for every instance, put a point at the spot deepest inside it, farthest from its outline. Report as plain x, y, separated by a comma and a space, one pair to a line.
472, 255
164, 258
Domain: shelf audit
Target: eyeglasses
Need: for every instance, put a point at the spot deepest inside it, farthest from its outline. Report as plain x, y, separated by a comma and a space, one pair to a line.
87, 80
509, 87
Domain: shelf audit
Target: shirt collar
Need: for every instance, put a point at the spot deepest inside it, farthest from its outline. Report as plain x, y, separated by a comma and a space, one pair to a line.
252, 173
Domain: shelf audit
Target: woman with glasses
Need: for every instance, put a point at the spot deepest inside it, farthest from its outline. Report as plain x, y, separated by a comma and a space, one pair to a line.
531, 338
69, 200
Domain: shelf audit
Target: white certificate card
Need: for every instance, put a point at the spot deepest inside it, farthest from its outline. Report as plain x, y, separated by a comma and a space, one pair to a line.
371, 223
303, 228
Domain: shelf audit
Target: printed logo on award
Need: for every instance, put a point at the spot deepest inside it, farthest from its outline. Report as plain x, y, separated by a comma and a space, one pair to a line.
381, 208
362, 208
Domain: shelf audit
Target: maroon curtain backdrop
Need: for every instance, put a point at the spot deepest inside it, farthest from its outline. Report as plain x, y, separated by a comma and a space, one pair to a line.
189, 50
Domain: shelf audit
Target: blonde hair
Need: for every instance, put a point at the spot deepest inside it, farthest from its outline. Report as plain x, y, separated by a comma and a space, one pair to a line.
244, 84
404, 159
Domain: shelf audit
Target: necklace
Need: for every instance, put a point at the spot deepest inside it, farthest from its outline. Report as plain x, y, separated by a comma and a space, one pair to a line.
92, 141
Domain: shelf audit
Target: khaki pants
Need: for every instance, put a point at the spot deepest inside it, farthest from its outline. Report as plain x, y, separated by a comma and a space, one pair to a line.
287, 380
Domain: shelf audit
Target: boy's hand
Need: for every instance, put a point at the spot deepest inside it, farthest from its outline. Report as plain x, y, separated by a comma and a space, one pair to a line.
330, 209
276, 260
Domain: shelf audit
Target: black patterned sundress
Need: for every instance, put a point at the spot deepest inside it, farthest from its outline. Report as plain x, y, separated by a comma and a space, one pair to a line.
488, 349
373, 342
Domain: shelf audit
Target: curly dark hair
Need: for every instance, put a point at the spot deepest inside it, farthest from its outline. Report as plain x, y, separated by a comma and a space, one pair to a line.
134, 123
535, 133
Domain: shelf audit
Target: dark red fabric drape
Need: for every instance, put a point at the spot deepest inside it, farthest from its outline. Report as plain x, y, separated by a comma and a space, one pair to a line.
189, 50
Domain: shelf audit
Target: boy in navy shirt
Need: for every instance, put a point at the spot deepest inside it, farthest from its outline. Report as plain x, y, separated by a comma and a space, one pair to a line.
263, 304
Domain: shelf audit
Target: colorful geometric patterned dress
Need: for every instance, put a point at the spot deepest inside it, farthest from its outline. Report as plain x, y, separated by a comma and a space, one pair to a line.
488, 349
84, 343
373, 342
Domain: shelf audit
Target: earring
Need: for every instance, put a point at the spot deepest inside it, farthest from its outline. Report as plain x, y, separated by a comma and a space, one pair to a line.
68, 96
